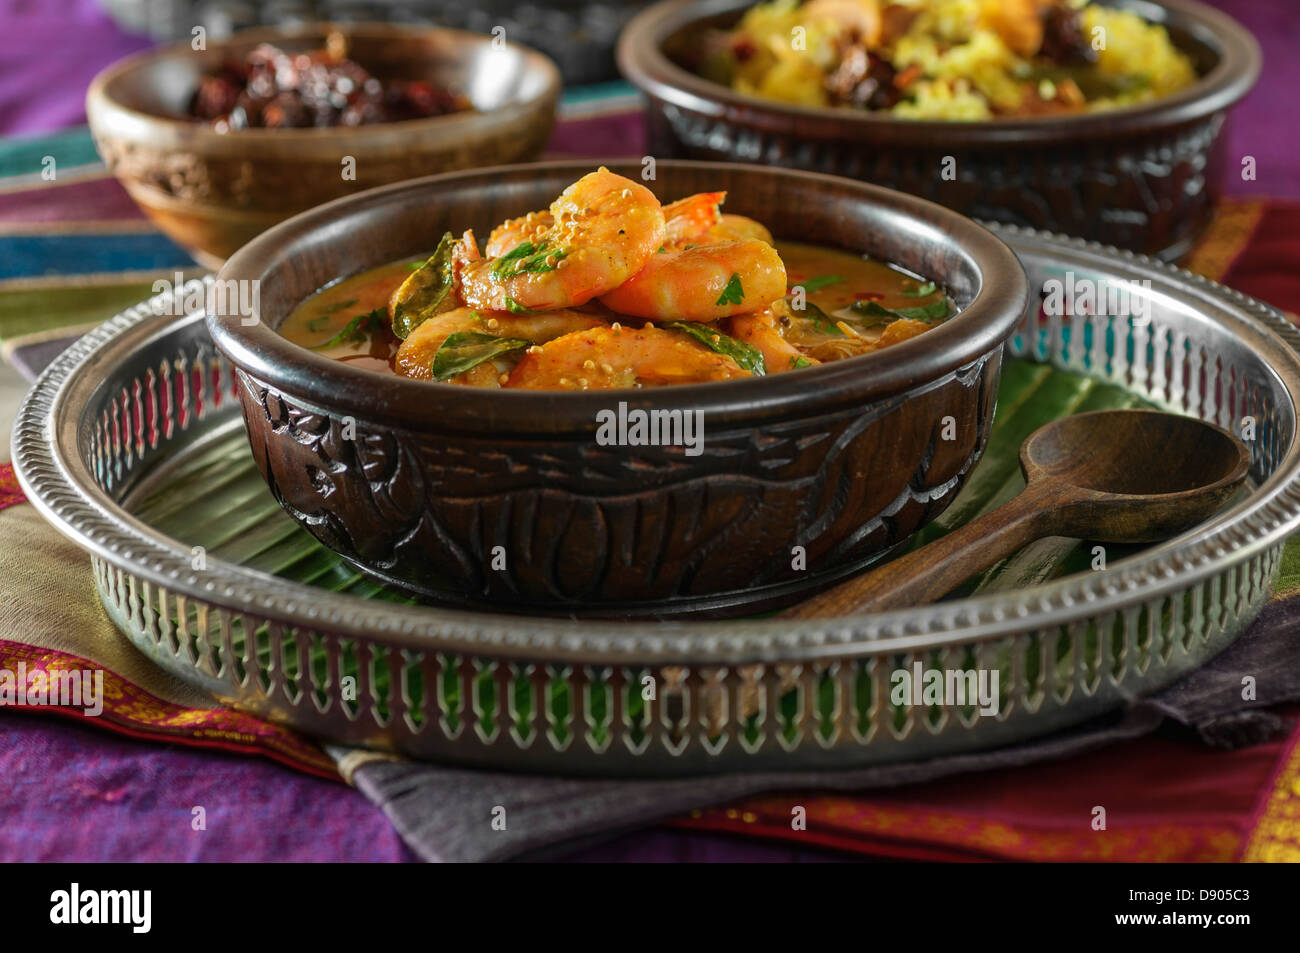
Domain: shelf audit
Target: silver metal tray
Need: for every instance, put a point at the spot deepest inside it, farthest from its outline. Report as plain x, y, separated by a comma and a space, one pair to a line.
135, 399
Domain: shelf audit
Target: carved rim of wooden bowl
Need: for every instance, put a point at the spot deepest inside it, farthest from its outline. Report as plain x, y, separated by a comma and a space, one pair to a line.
113, 118
294, 258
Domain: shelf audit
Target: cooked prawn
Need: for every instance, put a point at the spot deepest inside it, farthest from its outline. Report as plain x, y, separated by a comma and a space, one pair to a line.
691, 218
686, 219
512, 233
609, 357
415, 356
737, 228
702, 282
763, 330
604, 229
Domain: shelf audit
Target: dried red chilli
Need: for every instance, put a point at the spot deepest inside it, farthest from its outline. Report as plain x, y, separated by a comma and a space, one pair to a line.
273, 89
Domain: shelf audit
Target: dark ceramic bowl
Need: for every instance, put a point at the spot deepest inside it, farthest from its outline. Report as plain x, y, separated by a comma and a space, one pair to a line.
211, 192
1141, 177
845, 460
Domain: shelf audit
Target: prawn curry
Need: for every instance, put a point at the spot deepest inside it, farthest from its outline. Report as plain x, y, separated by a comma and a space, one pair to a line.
607, 289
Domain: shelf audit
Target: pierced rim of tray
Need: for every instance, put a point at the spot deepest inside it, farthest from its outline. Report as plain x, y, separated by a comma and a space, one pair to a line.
61, 485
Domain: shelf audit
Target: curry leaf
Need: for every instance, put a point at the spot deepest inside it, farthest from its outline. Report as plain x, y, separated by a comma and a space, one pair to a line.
821, 321
466, 350
922, 291
357, 330
746, 356
816, 284
937, 310
426, 291
316, 323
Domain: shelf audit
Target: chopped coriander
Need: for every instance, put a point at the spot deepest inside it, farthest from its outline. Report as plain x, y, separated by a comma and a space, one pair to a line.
527, 258
922, 291
505, 265
733, 293
800, 362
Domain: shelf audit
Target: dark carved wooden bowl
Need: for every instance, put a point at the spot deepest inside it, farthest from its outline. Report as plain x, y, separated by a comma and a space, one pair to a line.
845, 460
211, 192
1141, 177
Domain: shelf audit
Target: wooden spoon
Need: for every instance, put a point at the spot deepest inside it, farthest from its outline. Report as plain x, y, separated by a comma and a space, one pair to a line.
1114, 476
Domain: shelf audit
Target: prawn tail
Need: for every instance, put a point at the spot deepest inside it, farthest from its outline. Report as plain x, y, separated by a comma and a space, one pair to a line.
466, 249
694, 215
463, 254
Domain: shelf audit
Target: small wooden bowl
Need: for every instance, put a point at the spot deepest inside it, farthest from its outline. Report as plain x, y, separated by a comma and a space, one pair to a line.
419, 483
1141, 177
212, 192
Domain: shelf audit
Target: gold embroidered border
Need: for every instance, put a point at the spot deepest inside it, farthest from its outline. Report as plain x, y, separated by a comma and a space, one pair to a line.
1226, 237
1276, 837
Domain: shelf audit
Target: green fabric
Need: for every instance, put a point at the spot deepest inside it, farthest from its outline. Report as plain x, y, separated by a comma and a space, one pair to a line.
1288, 579
32, 310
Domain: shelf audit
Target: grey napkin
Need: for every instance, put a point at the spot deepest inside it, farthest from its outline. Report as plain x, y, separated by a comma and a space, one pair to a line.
446, 813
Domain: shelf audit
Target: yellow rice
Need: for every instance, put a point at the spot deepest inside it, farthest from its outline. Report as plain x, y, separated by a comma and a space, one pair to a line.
966, 69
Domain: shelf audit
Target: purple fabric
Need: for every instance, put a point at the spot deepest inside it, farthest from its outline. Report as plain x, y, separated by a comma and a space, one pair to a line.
52, 50
31, 359
79, 201
696, 847
607, 136
79, 794
1263, 124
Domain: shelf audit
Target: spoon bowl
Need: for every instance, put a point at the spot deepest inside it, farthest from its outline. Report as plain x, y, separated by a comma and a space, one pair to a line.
1113, 476
1133, 476
1108, 451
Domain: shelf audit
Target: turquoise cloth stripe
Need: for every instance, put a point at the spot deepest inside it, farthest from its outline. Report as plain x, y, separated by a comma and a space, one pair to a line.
582, 95
71, 148
29, 256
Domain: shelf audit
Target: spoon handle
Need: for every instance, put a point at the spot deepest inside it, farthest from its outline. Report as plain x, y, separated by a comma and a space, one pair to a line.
934, 570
